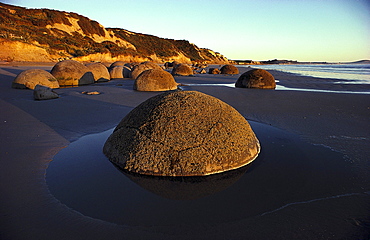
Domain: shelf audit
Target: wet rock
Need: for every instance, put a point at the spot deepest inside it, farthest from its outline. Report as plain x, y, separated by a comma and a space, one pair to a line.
229, 69
72, 73
256, 78
182, 133
155, 80
32, 77
43, 93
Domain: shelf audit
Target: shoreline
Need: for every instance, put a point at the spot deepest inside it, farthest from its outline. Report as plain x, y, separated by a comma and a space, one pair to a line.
33, 132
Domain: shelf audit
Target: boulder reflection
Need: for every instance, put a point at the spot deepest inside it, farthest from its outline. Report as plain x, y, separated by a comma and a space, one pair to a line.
187, 188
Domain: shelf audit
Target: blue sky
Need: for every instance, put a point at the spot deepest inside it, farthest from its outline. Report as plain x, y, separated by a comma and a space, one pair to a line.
303, 30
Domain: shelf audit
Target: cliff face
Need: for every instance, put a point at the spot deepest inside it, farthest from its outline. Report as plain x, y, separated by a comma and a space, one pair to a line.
49, 35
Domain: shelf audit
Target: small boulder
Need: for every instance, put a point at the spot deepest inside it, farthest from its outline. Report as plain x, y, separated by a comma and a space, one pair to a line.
116, 72
142, 67
43, 93
182, 133
100, 72
182, 70
72, 73
256, 78
127, 69
155, 80
202, 71
117, 63
214, 71
32, 77
229, 69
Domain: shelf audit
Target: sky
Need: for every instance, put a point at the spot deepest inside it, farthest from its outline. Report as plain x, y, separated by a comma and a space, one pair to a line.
302, 30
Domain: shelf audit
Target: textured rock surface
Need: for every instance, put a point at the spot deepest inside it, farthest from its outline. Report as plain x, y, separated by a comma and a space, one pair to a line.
116, 72
214, 71
155, 80
182, 70
142, 67
256, 78
32, 77
117, 63
100, 72
44, 93
72, 73
229, 69
182, 133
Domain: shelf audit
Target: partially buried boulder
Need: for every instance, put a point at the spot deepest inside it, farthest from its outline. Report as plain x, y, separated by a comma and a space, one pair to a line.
229, 69
155, 80
214, 71
182, 70
32, 77
43, 93
142, 67
182, 133
256, 78
72, 73
100, 72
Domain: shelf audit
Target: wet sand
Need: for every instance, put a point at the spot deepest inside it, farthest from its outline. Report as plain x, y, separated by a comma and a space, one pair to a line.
32, 132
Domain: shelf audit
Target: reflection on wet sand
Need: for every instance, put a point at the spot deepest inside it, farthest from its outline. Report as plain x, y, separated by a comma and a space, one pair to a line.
187, 188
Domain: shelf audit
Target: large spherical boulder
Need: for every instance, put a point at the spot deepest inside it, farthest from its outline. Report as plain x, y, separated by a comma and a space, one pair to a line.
155, 80
256, 78
182, 133
116, 72
214, 71
182, 70
142, 67
72, 73
32, 77
229, 69
100, 72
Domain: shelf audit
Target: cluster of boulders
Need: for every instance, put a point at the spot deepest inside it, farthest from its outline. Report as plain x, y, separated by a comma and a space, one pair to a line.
148, 76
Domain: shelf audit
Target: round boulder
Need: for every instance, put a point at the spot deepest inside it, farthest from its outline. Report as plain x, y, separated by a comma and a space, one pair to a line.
100, 72
256, 78
116, 72
214, 71
182, 70
72, 73
229, 69
182, 133
155, 80
117, 63
142, 67
32, 77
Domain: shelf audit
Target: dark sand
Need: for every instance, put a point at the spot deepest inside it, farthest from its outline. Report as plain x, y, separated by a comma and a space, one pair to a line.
32, 132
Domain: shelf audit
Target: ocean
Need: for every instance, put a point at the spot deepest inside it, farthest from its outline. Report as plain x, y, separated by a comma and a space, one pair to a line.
359, 73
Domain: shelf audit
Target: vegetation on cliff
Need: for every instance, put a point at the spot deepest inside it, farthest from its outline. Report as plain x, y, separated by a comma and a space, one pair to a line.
69, 35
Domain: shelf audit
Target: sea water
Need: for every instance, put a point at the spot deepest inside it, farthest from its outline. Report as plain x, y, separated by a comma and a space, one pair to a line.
358, 73
287, 173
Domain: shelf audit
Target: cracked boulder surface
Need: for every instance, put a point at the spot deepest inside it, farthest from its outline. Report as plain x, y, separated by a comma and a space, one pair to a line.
182, 133
256, 78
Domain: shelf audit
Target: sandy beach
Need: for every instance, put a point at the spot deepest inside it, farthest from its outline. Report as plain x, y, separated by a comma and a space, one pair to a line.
33, 132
